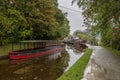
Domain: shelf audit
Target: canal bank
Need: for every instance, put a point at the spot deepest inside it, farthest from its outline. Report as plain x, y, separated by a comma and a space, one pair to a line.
3, 57
77, 70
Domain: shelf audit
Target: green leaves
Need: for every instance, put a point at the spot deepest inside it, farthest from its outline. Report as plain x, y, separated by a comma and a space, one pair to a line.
31, 19
103, 18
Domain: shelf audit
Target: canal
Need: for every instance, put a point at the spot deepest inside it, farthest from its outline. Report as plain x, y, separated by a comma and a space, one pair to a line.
48, 67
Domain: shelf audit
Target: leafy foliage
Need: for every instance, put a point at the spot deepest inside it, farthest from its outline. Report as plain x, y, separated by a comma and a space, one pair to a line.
31, 19
63, 27
86, 36
103, 17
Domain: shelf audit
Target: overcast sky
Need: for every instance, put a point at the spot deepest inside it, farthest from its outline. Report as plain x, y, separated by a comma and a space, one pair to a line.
74, 14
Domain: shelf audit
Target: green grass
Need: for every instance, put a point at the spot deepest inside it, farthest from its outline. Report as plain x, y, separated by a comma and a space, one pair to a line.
77, 70
114, 51
4, 50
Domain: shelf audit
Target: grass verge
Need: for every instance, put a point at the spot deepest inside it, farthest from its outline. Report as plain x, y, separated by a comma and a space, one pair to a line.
114, 51
4, 50
77, 70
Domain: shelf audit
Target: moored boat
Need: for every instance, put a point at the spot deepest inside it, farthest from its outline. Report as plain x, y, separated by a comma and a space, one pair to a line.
38, 48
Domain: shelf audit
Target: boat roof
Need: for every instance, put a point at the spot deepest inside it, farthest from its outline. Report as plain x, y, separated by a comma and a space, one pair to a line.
32, 41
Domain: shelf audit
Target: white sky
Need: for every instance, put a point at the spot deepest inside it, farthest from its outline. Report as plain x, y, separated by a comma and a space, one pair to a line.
75, 18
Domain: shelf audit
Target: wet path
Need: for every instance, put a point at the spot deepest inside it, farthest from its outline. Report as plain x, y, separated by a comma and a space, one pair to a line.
102, 66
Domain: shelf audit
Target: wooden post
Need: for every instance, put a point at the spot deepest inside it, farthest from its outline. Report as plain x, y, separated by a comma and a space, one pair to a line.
24, 45
12, 46
20, 45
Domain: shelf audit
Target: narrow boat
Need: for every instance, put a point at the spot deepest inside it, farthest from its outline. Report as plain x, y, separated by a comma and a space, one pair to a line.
35, 49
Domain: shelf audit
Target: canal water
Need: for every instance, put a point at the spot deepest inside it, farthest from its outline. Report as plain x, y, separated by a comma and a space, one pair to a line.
48, 67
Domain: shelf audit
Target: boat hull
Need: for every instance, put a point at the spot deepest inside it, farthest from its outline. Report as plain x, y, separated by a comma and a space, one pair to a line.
17, 55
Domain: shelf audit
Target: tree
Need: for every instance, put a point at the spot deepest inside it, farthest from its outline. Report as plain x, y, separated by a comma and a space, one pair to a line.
102, 16
31, 19
63, 25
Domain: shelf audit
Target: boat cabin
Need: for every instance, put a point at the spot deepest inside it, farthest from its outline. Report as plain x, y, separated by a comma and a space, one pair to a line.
34, 48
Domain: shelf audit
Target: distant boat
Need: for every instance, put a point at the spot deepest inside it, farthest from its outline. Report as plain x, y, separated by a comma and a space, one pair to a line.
36, 48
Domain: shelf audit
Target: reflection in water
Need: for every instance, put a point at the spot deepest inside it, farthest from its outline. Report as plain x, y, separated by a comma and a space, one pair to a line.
76, 49
74, 55
48, 67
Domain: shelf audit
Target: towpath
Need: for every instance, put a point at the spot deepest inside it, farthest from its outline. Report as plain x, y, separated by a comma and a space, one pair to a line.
103, 65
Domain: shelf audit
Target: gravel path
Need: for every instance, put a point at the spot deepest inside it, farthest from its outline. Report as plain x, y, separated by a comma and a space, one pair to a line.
103, 65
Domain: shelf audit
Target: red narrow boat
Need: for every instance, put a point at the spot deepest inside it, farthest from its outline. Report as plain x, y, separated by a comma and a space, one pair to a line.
38, 48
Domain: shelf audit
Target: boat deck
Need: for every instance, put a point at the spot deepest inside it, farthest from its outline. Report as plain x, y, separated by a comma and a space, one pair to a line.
37, 50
